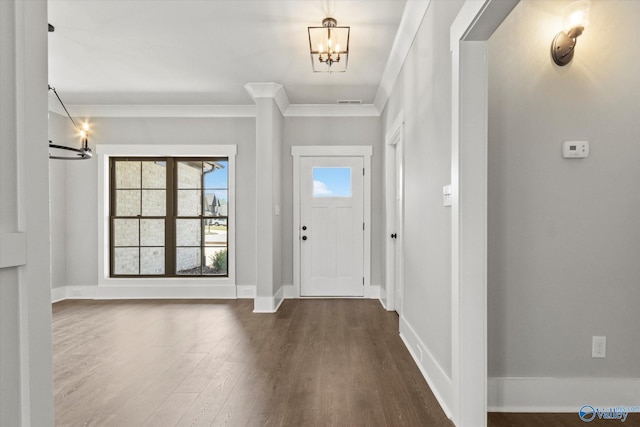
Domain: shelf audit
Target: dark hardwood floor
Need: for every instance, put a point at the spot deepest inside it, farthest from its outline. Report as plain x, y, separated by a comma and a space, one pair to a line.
203, 363
215, 363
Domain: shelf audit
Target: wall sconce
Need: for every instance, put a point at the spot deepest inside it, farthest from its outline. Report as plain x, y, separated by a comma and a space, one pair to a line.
576, 18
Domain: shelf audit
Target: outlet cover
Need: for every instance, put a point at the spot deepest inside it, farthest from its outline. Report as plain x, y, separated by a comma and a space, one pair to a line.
599, 347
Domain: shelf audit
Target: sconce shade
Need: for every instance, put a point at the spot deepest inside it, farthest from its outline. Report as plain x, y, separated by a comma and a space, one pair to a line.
576, 15
575, 19
329, 47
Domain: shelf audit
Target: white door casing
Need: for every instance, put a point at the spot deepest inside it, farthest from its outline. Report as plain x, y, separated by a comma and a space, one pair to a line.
301, 152
332, 227
394, 185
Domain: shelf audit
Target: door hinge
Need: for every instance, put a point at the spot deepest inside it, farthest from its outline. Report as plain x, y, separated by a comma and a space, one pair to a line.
363, 281
363, 226
362, 171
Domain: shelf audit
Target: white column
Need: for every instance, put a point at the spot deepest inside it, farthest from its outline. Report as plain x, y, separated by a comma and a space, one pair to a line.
270, 101
26, 379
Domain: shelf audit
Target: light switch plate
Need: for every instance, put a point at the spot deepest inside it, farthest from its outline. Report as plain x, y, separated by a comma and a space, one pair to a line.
446, 195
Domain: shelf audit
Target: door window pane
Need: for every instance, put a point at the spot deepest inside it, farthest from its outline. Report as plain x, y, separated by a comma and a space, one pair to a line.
331, 182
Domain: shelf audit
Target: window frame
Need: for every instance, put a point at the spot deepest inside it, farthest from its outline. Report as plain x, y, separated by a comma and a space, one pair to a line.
147, 152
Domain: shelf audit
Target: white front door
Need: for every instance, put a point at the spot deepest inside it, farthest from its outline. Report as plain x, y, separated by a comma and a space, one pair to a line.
331, 226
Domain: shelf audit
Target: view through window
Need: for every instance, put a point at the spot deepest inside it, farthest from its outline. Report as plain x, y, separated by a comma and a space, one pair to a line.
169, 216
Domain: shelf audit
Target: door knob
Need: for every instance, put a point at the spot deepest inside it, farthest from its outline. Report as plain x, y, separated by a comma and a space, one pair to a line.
304, 237
394, 236
304, 227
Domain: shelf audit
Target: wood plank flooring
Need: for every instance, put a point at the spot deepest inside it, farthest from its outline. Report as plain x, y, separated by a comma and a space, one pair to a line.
215, 363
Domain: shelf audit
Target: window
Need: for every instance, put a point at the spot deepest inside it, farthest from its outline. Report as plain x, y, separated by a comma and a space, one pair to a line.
331, 182
169, 216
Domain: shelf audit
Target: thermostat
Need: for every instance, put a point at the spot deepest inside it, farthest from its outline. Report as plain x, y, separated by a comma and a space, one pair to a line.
575, 149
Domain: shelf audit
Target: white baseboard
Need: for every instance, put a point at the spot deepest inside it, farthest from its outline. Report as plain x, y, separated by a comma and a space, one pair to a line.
290, 292
245, 292
372, 292
269, 304
58, 294
561, 394
147, 292
436, 377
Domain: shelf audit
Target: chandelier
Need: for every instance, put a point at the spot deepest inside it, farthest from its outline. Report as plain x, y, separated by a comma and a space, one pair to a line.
82, 153
329, 47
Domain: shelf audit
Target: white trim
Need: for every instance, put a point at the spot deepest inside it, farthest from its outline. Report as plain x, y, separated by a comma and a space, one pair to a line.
334, 150
58, 294
436, 377
331, 110
245, 291
206, 111
140, 150
364, 151
269, 304
472, 27
13, 249
269, 90
561, 394
414, 12
144, 291
393, 141
215, 111
290, 292
104, 152
372, 292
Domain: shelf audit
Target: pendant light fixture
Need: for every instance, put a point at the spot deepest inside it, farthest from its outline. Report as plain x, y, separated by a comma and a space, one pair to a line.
329, 47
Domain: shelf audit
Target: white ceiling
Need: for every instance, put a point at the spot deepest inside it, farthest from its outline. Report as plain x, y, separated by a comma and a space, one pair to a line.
186, 52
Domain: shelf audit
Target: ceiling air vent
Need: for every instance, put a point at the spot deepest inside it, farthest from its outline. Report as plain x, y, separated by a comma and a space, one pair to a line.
349, 101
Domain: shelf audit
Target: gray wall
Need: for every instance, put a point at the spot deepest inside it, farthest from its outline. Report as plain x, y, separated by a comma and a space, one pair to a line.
564, 235
81, 202
423, 93
333, 131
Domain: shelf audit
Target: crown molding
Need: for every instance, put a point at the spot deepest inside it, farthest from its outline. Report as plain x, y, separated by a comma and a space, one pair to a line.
331, 110
414, 12
198, 111
213, 111
269, 90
